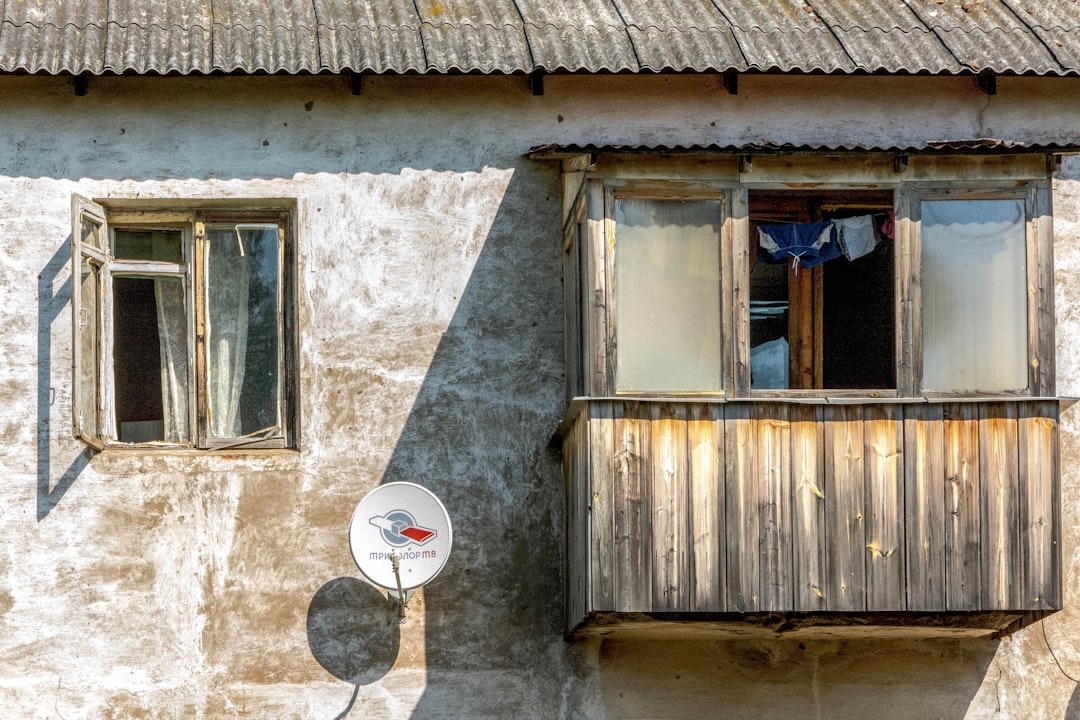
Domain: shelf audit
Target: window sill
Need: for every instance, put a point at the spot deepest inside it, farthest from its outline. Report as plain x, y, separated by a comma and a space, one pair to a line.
124, 459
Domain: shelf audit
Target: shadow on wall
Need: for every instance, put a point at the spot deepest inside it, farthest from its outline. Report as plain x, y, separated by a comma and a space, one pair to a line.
878, 679
53, 303
477, 435
1072, 711
353, 633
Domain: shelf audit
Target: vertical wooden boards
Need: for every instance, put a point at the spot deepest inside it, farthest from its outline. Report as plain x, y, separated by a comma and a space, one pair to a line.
741, 247
884, 518
668, 475
924, 503
594, 295
707, 556
600, 468
1042, 352
801, 328
632, 503
998, 470
575, 477
758, 505
572, 302
809, 541
774, 507
845, 586
742, 532
907, 290
962, 564
1040, 559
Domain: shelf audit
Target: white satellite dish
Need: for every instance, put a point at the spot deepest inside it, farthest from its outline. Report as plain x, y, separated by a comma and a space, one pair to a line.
400, 537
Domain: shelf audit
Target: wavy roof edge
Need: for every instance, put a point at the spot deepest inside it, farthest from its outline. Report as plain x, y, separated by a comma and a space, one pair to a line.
973, 146
527, 36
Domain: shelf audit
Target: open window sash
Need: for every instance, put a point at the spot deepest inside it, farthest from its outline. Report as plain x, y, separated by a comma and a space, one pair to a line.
240, 332
89, 253
96, 275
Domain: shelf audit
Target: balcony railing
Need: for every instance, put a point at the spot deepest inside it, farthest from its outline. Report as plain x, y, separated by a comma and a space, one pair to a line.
793, 507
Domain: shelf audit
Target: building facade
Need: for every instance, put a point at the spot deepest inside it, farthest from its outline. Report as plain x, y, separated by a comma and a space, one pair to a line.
257, 263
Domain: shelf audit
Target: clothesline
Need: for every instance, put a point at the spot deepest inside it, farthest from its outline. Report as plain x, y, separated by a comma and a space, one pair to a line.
809, 244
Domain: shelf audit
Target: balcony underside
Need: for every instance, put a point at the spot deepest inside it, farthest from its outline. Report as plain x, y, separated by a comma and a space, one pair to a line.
839, 513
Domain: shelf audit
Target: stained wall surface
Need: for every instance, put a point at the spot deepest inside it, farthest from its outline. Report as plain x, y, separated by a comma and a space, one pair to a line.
213, 585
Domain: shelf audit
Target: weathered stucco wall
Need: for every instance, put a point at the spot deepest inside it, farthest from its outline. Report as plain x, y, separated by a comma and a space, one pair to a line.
209, 585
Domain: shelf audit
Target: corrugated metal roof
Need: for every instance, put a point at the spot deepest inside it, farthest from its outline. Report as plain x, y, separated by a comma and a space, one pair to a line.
512, 36
973, 146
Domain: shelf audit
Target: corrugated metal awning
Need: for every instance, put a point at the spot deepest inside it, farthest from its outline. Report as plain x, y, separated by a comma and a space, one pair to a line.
1038, 37
975, 146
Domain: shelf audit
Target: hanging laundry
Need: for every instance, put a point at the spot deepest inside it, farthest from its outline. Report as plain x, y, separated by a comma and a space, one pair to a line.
807, 244
888, 226
856, 236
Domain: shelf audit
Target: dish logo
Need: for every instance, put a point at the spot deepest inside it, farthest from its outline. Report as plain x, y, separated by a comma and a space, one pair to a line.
399, 528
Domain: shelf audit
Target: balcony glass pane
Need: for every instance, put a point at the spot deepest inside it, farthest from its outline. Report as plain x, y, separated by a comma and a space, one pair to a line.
974, 281
667, 281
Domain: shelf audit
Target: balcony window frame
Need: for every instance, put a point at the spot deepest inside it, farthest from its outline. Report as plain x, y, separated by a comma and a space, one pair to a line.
591, 236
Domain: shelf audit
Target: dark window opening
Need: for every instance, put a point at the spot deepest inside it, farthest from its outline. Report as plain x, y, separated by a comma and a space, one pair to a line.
137, 361
830, 324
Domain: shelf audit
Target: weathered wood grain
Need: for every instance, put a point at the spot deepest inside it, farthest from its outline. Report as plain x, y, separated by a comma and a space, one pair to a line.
594, 275
809, 541
845, 490
742, 498
1039, 534
1041, 277
773, 449
924, 503
704, 427
575, 453
962, 551
774, 506
599, 468
669, 479
632, 505
999, 526
884, 557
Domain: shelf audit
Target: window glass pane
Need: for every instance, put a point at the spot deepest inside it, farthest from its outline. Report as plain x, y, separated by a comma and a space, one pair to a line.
244, 343
150, 359
974, 280
667, 278
92, 232
769, 356
87, 336
160, 245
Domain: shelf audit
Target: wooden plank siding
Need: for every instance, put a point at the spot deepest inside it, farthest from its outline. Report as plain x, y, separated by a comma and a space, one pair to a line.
786, 507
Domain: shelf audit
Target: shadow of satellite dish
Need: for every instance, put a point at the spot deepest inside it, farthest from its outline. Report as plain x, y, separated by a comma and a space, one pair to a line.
353, 631
1072, 710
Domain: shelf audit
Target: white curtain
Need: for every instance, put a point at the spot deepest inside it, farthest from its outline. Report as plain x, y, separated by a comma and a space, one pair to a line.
244, 340
228, 279
172, 338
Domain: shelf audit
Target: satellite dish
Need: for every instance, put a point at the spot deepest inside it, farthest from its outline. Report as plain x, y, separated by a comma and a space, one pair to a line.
400, 537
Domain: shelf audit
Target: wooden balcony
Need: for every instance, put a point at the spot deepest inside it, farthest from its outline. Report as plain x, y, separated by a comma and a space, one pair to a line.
851, 510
